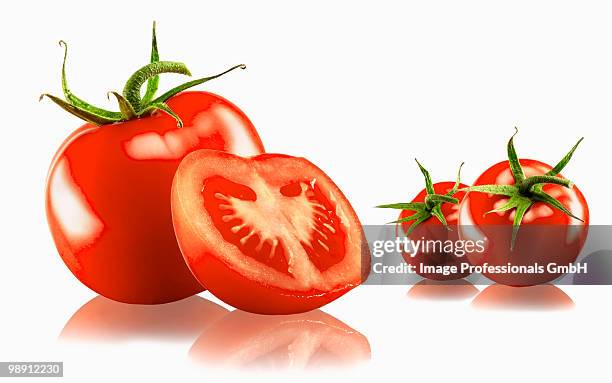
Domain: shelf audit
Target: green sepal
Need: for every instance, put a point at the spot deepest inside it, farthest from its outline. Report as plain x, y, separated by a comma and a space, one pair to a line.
166, 109
507, 190
81, 113
403, 206
457, 182
78, 103
125, 107
559, 166
418, 214
513, 160
546, 198
416, 223
435, 198
521, 209
189, 84
153, 82
436, 211
428, 183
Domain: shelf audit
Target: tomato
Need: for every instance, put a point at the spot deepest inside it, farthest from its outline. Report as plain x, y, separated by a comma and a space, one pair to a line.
104, 320
540, 297
433, 230
108, 187
269, 234
433, 222
551, 225
313, 339
108, 196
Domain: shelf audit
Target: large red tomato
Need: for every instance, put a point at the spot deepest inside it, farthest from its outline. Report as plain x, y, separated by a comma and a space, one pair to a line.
108, 188
108, 196
433, 222
527, 215
270, 234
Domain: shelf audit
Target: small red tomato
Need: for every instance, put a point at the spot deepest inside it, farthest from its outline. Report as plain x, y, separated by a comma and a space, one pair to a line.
526, 214
431, 219
312, 339
271, 234
108, 187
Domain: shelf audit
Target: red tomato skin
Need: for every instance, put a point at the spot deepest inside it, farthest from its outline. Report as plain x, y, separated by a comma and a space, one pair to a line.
108, 196
230, 286
432, 229
543, 237
248, 295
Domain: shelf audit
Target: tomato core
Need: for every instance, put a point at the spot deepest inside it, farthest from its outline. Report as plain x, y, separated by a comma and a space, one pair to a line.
236, 211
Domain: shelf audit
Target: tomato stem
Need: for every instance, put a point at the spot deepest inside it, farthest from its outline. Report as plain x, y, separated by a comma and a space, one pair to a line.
432, 205
131, 105
527, 191
131, 91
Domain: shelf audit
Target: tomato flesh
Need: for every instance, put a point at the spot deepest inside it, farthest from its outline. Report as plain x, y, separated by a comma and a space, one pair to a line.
275, 225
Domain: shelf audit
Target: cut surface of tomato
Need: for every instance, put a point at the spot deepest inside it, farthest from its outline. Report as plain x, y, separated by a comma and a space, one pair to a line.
267, 234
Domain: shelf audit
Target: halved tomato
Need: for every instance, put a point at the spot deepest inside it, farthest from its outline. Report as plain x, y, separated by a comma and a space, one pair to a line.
270, 234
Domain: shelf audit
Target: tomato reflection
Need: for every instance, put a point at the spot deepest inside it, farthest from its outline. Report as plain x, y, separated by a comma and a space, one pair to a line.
429, 289
105, 320
312, 339
540, 297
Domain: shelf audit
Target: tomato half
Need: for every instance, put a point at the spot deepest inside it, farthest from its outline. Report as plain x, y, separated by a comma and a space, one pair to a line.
546, 234
434, 230
108, 196
269, 234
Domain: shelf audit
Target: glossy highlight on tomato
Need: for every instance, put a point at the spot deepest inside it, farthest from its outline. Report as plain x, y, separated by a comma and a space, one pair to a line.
269, 234
108, 196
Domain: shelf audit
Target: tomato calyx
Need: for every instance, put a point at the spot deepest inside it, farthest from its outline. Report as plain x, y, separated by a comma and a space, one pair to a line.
131, 105
526, 191
432, 205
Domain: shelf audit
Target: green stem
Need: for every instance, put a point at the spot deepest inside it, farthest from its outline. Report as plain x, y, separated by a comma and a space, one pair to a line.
131, 104
131, 91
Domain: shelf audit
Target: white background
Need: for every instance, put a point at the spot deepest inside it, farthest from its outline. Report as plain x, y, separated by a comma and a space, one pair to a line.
359, 89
